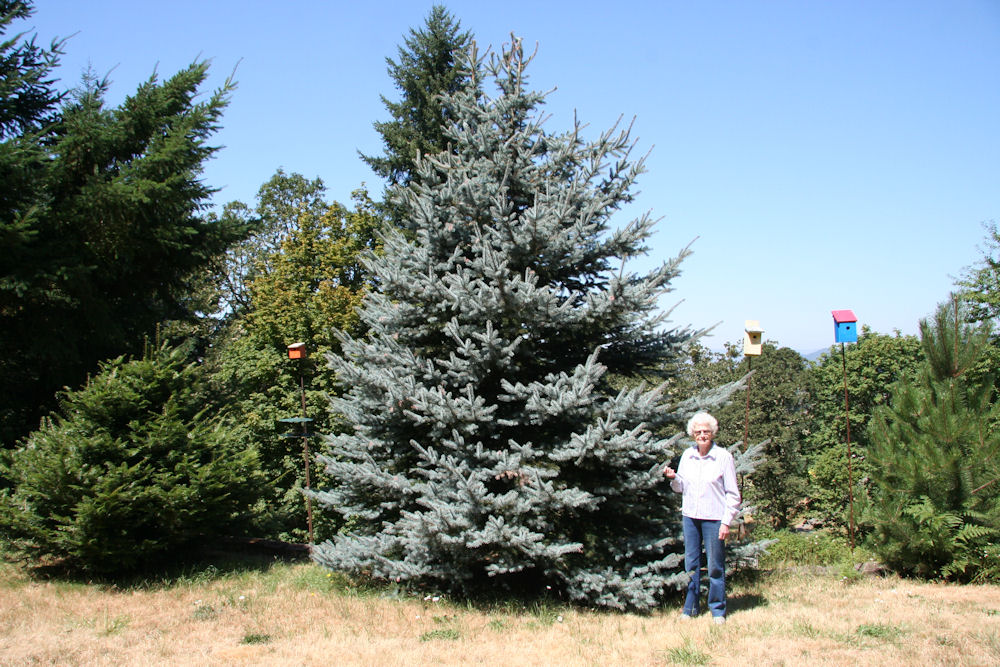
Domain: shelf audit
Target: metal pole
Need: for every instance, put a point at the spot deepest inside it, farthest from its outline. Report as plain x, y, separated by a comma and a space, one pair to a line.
850, 474
305, 452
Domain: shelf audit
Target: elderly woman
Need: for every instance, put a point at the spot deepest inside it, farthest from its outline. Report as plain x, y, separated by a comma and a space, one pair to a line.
706, 476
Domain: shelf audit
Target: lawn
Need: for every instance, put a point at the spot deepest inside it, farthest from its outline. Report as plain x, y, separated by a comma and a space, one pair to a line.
295, 613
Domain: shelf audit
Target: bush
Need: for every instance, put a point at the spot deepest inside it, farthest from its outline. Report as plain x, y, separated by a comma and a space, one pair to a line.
131, 470
811, 548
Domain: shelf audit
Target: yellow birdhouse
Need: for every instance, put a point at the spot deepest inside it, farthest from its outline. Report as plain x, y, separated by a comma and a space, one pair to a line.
752, 345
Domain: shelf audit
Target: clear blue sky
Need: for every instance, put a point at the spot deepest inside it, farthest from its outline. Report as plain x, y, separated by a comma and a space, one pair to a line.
826, 154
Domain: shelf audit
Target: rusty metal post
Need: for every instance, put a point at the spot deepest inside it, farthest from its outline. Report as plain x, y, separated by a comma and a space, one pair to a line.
305, 452
850, 474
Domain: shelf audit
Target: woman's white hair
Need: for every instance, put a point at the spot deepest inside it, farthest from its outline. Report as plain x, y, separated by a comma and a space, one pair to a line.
702, 418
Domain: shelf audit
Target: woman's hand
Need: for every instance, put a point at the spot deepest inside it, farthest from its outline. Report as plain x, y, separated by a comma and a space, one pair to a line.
723, 531
669, 472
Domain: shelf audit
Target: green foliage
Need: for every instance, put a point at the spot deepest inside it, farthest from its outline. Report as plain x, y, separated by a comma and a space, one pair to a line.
133, 470
688, 654
298, 279
880, 631
280, 203
815, 547
426, 74
980, 285
101, 231
449, 634
935, 455
27, 100
774, 416
873, 364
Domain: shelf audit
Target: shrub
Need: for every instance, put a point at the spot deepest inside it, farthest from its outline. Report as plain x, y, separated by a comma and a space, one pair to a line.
132, 469
812, 548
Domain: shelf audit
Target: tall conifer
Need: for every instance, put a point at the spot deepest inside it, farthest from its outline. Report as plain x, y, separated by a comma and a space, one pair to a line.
427, 69
935, 455
102, 231
486, 446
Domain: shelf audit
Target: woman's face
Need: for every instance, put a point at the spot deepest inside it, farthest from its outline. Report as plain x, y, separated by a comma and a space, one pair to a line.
702, 435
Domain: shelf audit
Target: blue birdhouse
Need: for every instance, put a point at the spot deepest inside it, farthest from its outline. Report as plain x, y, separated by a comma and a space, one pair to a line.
845, 326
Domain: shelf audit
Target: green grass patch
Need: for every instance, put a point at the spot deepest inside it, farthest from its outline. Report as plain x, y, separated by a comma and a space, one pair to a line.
205, 612
881, 631
256, 638
448, 634
498, 624
804, 629
689, 654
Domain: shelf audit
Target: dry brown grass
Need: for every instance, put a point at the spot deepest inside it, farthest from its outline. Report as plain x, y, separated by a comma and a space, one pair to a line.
293, 614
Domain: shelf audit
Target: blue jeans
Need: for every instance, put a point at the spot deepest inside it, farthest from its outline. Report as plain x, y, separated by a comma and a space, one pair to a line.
696, 533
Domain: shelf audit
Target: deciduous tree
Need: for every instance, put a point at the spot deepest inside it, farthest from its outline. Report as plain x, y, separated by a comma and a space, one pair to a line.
873, 365
303, 281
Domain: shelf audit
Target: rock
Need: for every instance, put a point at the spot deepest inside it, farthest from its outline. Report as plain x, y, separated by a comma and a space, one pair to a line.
872, 568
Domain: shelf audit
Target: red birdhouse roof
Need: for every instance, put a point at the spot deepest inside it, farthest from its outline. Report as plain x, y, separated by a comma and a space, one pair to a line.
844, 316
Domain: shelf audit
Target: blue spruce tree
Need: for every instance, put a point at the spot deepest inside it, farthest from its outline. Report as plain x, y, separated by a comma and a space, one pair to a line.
486, 445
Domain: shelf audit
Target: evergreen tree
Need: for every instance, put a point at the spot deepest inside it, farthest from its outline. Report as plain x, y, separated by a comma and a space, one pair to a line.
28, 101
101, 228
935, 454
135, 469
427, 72
486, 447
27, 105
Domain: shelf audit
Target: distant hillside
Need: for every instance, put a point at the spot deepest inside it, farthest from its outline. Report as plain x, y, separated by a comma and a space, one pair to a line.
813, 356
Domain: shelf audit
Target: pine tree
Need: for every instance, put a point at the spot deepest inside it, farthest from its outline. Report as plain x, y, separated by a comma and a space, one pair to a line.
935, 455
426, 73
487, 447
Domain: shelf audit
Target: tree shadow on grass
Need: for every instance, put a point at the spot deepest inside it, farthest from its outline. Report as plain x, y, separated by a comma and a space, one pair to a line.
745, 601
223, 557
